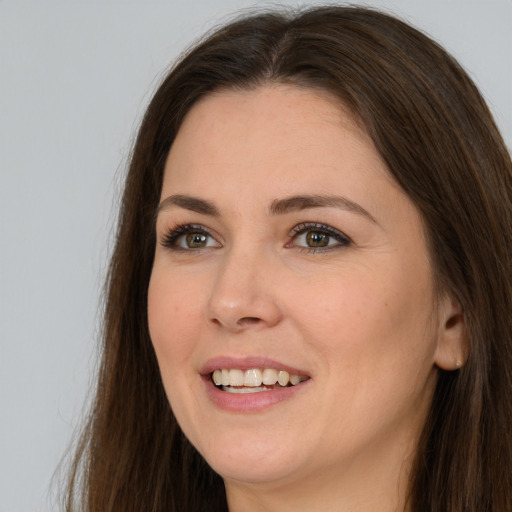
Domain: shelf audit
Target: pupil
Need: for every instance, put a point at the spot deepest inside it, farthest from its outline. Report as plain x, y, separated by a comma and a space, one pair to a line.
196, 240
317, 239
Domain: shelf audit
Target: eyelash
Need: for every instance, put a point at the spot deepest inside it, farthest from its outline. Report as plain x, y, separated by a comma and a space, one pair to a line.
171, 239
305, 227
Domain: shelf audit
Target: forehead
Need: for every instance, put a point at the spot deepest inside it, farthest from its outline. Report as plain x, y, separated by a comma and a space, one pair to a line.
296, 103
276, 132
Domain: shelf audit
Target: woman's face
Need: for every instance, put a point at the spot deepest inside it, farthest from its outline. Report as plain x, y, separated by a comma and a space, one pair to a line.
286, 251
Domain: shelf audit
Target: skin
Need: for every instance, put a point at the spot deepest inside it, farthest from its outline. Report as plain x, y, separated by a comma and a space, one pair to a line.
360, 319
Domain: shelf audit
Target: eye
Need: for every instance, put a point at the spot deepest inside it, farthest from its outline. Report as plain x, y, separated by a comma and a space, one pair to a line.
316, 236
189, 237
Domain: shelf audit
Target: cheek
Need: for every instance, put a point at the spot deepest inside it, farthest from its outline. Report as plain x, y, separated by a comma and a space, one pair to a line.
374, 335
369, 319
173, 318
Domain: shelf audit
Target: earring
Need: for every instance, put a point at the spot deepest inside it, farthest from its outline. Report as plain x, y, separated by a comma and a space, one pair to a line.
458, 364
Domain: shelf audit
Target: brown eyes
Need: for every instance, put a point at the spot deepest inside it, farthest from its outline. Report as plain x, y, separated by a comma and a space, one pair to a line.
316, 239
189, 237
317, 236
308, 236
195, 241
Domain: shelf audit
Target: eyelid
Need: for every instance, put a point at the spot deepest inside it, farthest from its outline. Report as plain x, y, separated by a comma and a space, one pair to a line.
171, 236
343, 239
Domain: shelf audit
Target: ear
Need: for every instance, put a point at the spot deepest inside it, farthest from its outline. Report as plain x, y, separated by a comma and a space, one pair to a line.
451, 351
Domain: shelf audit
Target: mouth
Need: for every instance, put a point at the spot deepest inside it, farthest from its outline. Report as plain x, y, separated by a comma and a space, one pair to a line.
254, 380
252, 384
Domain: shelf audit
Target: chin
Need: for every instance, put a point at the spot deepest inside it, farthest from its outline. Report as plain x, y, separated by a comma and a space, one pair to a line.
253, 471
256, 458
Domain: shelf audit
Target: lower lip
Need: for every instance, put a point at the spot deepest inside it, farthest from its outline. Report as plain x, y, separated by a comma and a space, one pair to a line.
250, 402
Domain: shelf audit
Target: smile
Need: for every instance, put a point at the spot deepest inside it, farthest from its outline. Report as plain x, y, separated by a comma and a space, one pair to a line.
254, 380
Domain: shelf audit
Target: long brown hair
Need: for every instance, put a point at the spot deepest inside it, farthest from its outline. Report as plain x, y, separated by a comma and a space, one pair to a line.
438, 138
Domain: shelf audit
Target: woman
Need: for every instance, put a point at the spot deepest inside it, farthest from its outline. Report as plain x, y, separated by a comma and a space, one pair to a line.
308, 305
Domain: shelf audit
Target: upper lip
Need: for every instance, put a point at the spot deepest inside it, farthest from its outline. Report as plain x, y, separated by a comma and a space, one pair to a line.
248, 363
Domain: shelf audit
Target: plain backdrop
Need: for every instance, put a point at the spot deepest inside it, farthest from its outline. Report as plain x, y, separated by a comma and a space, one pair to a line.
75, 76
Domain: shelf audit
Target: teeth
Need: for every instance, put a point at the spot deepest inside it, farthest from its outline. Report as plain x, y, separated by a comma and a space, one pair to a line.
283, 377
254, 380
269, 376
294, 379
217, 377
244, 390
236, 378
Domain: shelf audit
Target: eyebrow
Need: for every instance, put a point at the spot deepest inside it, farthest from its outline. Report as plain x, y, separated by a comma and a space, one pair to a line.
278, 206
193, 204
297, 203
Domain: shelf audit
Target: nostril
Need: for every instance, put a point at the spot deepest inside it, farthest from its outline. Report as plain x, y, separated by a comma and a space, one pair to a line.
246, 321
249, 320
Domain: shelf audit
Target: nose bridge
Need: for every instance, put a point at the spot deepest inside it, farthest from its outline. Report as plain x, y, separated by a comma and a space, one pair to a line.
242, 294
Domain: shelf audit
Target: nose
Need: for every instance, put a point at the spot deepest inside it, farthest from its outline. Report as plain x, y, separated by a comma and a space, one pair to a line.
243, 294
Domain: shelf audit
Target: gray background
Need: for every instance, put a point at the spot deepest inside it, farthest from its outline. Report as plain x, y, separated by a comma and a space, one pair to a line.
75, 78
